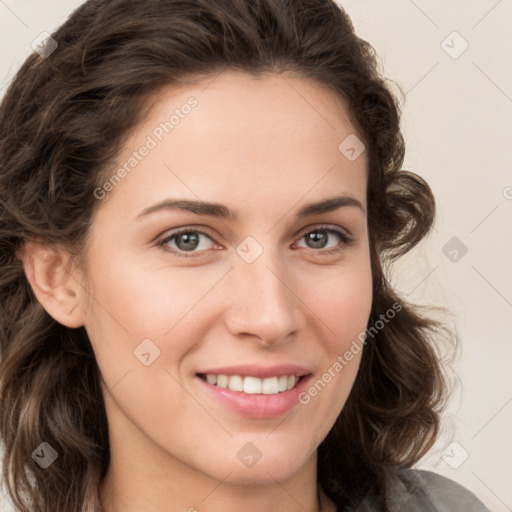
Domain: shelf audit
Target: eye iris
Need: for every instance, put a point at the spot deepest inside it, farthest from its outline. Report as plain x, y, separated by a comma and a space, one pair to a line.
191, 238
317, 236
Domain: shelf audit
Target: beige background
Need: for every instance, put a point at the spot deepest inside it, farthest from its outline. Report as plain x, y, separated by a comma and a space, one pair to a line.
458, 127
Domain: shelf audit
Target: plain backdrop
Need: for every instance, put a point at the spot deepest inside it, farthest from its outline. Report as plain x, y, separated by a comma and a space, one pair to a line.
453, 62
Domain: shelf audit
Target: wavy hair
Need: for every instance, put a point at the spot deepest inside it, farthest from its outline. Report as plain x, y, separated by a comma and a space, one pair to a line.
64, 118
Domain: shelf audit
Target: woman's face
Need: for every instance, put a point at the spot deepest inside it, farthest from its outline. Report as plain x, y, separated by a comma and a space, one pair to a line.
260, 297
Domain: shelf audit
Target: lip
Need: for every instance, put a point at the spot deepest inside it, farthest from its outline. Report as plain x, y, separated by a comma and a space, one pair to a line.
258, 406
262, 372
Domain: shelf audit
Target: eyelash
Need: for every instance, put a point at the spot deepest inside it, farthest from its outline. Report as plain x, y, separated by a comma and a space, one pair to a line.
346, 241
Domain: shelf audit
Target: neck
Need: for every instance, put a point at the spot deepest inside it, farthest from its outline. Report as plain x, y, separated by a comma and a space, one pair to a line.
178, 494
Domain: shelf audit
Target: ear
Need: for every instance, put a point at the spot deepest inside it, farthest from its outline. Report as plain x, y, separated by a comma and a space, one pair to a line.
56, 286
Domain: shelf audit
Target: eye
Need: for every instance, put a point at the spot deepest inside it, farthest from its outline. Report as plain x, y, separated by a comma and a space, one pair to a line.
191, 241
319, 237
185, 241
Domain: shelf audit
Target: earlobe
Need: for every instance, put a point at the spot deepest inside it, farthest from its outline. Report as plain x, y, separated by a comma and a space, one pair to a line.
53, 283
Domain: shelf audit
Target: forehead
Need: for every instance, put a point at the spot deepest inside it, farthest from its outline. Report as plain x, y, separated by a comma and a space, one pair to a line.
242, 137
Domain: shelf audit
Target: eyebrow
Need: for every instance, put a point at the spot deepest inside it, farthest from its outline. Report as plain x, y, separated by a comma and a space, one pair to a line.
223, 212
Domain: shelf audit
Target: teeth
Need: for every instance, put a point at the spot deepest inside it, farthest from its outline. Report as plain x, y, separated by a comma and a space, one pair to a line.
270, 386
254, 385
222, 381
236, 383
212, 379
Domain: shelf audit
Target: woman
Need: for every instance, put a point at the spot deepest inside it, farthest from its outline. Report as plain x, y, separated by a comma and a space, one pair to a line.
199, 200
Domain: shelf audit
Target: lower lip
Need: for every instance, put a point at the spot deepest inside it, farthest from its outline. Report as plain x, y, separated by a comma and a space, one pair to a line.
258, 405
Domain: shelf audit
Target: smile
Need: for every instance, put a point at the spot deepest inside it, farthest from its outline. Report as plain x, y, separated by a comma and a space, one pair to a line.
253, 385
263, 397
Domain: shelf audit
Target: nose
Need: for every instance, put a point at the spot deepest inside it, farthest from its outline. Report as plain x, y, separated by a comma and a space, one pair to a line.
263, 304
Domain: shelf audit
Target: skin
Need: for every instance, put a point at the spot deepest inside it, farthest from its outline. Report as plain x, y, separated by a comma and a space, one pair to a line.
264, 147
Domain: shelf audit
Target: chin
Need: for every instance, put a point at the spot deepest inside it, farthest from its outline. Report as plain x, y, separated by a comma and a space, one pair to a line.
275, 464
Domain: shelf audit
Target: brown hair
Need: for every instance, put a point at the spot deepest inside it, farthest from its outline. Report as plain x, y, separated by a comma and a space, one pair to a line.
65, 117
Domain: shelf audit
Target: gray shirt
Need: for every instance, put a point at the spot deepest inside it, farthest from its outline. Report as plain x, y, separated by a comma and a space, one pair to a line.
425, 491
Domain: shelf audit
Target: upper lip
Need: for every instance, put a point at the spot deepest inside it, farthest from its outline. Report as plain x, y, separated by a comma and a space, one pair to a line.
258, 371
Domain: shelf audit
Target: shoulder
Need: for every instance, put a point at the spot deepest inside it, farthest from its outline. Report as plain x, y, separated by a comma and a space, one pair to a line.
438, 492
425, 491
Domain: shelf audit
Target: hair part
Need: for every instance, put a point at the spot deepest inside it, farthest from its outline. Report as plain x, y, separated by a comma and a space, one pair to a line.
64, 120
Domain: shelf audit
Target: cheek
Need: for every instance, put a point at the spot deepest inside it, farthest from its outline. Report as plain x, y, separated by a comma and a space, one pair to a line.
147, 300
343, 306
133, 303
341, 299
